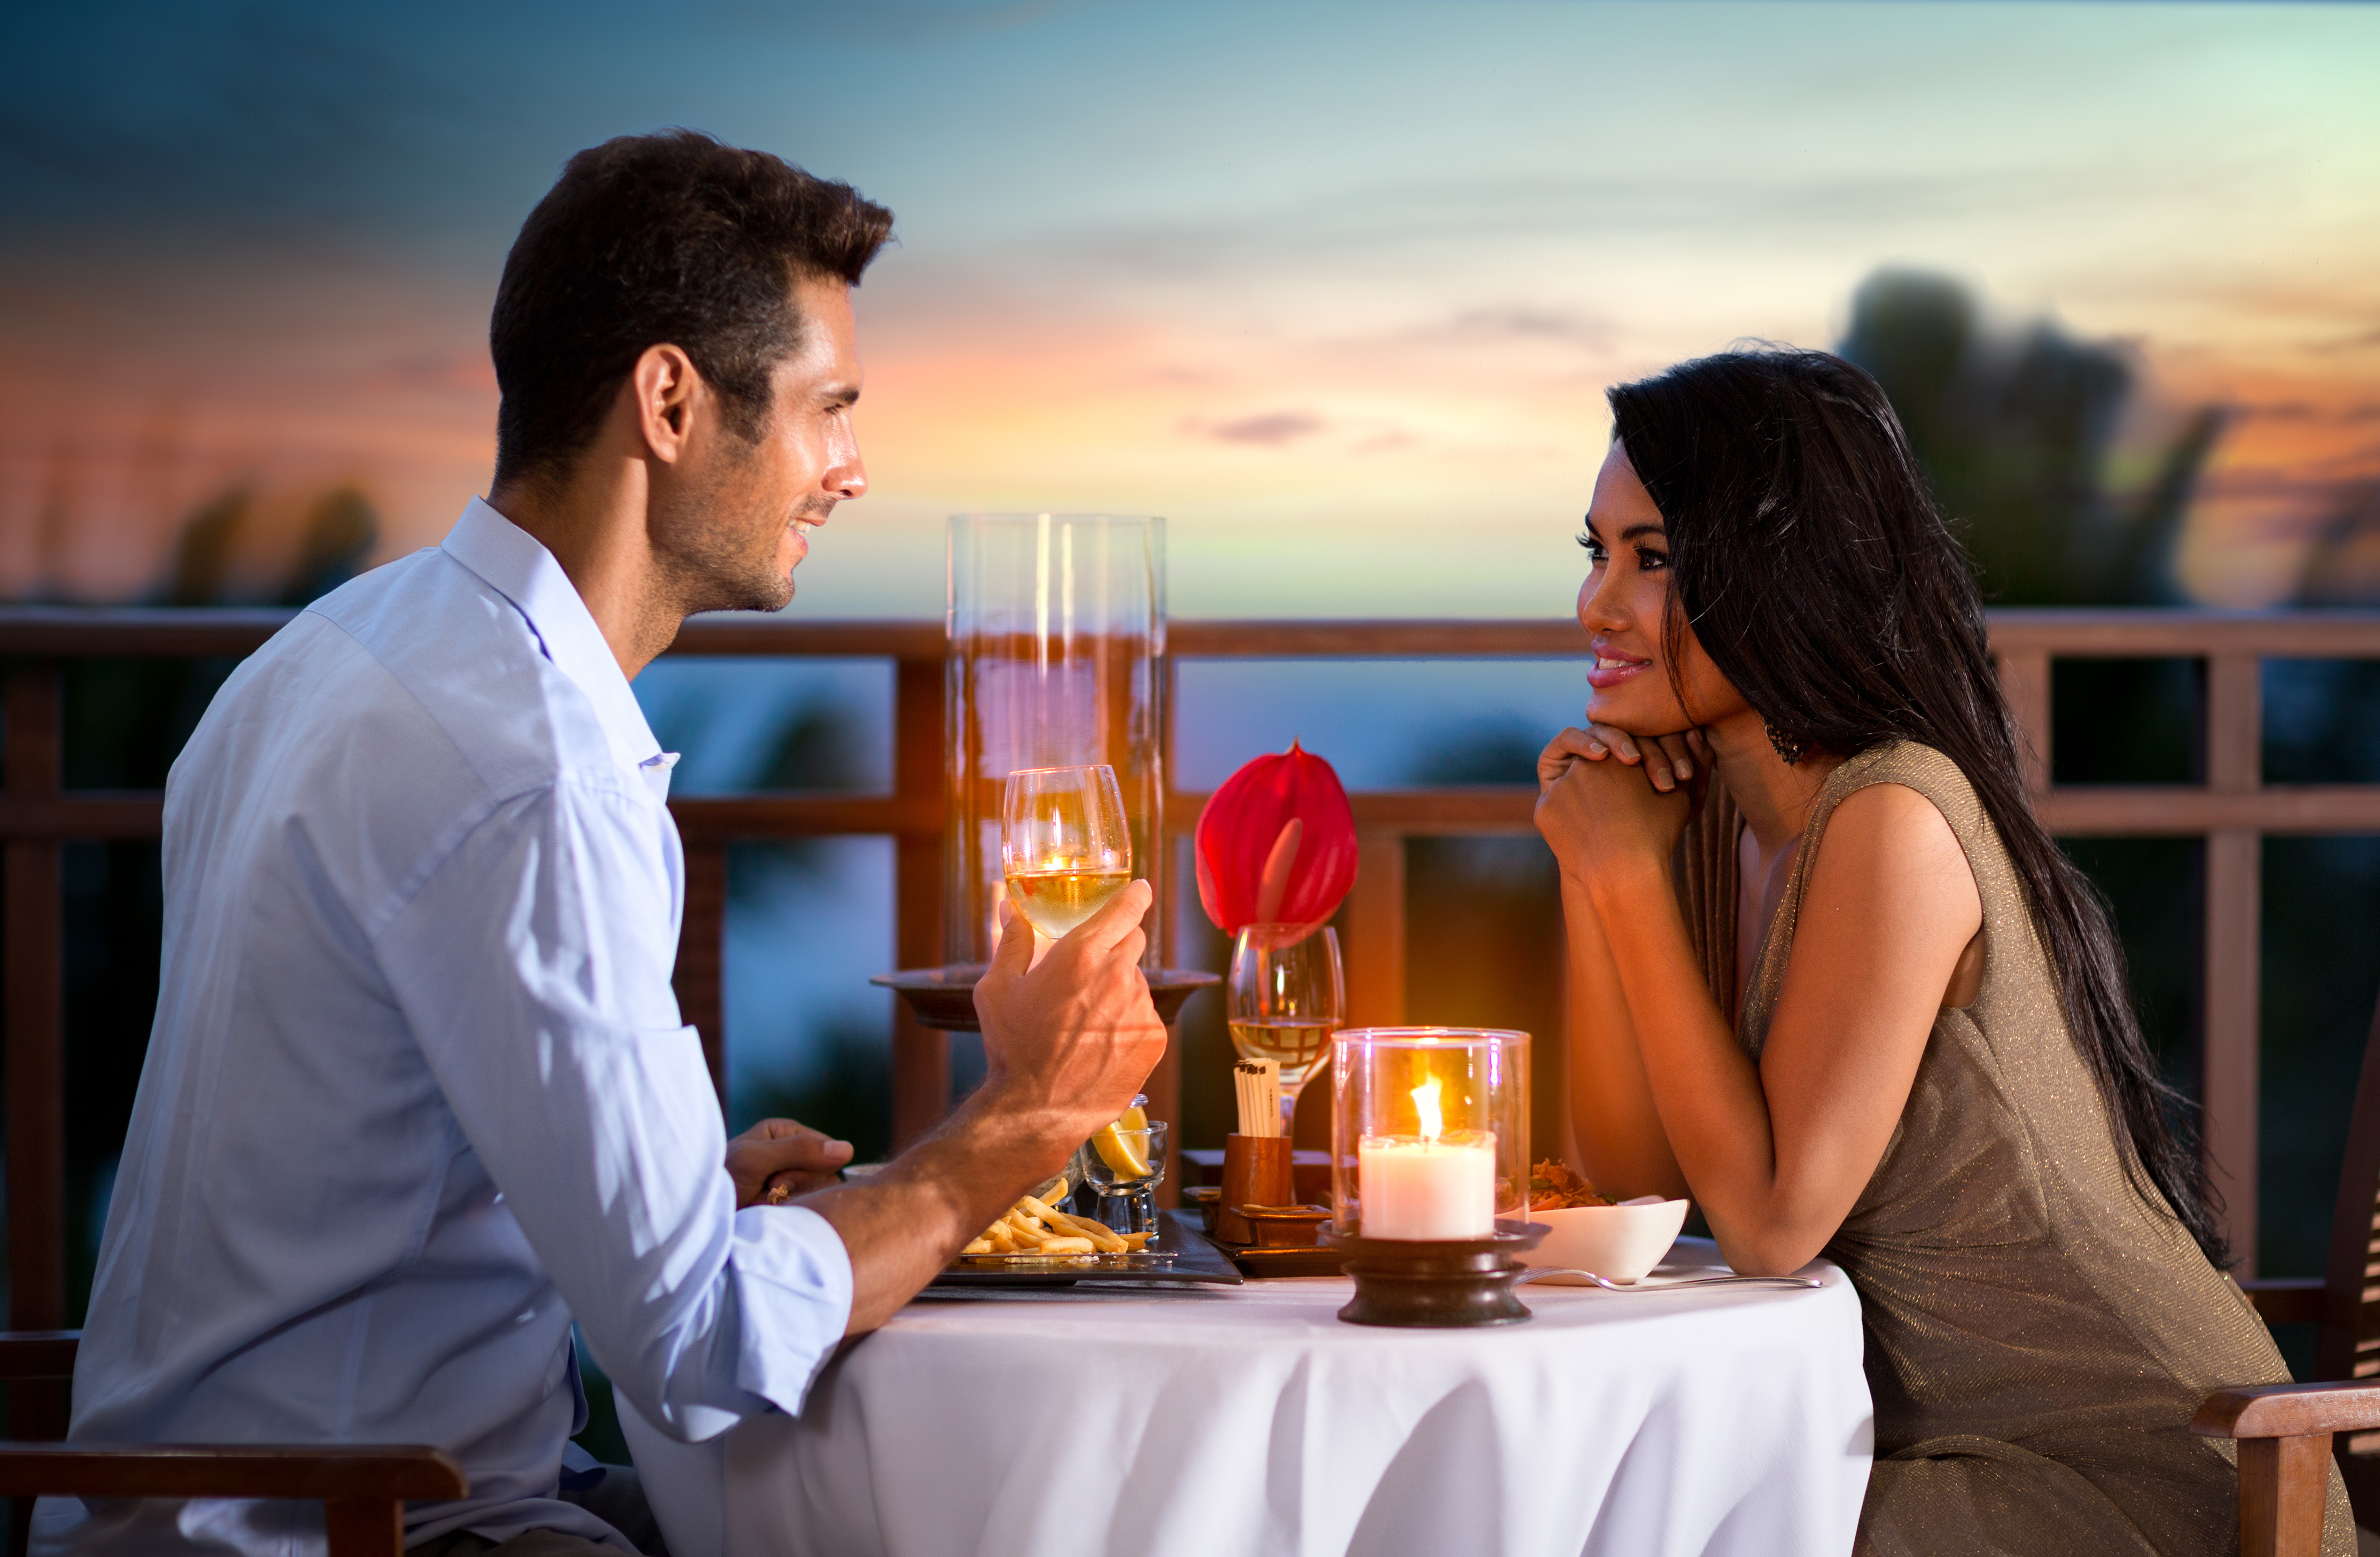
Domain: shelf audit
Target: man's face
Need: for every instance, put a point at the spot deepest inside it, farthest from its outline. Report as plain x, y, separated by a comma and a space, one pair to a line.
736, 526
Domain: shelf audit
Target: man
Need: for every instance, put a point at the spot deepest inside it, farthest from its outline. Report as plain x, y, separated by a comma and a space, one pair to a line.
418, 1095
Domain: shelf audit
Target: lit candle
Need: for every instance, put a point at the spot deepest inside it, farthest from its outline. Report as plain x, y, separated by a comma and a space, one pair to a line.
1428, 1188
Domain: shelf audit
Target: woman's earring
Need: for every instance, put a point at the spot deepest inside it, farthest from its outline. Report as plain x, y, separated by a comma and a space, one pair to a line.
1787, 747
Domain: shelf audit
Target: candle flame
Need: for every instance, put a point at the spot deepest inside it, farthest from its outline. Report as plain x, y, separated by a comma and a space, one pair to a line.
1425, 1099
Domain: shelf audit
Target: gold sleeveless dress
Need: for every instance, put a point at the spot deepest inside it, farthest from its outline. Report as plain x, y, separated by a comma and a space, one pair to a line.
2039, 1331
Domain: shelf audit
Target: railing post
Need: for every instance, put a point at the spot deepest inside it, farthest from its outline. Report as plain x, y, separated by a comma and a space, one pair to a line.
32, 966
2234, 733
700, 976
2024, 682
921, 1055
1376, 932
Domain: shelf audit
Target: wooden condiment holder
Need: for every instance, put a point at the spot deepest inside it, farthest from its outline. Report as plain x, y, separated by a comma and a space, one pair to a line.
1256, 1173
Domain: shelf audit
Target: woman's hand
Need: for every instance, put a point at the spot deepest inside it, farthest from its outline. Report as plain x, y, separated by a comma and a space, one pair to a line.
1667, 760
1602, 820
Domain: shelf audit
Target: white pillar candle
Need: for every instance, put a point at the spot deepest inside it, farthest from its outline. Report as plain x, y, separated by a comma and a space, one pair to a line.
1427, 1189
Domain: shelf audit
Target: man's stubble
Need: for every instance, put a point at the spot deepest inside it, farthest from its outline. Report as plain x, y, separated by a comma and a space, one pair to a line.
719, 543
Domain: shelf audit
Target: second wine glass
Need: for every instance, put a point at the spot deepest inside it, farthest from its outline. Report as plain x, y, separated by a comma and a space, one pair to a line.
1065, 845
1285, 997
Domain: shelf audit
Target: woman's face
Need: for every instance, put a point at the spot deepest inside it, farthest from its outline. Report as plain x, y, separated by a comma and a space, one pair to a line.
1622, 604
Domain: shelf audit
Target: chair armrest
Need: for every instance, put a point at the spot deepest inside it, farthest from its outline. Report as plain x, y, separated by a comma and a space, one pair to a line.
38, 1353
2287, 1299
330, 1473
2290, 1411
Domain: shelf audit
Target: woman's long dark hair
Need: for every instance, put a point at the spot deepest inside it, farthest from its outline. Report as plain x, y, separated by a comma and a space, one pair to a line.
1818, 576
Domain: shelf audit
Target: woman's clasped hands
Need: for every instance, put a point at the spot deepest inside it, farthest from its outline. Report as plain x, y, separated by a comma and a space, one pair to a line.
1611, 802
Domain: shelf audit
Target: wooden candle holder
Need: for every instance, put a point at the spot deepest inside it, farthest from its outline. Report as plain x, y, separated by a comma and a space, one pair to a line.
1437, 1285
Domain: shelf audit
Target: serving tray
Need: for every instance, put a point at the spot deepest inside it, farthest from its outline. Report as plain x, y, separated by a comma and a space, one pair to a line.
944, 997
1185, 1256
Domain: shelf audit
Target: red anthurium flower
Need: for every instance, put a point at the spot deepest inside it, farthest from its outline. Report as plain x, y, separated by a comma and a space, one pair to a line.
1276, 843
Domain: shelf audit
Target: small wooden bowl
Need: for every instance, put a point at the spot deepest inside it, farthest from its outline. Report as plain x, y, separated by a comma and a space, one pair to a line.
1286, 1227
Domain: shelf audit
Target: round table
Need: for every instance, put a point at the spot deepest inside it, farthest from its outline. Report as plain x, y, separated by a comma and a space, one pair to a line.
1250, 1419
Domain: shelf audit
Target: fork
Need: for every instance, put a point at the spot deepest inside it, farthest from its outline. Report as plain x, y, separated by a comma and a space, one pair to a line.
1803, 1282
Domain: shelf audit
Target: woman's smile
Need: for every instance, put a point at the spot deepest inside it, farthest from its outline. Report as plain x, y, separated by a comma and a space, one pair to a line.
1613, 668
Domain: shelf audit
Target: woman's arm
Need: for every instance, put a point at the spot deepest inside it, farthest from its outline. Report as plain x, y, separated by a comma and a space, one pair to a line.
1614, 1126
1775, 1155
1617, 1128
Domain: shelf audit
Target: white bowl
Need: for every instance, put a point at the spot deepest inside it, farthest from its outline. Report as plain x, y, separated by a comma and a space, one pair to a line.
1618, 1242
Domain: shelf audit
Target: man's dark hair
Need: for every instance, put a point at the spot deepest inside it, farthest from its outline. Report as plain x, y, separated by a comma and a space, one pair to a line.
650, 239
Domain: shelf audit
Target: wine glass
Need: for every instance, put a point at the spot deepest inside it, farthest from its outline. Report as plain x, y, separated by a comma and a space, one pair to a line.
1286, 995
1065, 846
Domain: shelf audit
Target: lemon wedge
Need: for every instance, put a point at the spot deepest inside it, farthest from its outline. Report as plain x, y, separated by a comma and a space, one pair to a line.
1120, 1155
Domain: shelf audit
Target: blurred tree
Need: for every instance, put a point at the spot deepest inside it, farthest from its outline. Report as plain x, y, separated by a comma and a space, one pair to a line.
2016, 432
2342, 565
341, 529
333, 542
202, 553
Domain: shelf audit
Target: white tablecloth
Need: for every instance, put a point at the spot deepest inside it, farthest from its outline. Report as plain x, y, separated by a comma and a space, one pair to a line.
1250, 1419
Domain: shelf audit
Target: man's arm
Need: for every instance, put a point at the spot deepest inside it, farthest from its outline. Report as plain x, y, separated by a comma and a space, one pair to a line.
535, 973
1069, 1041
532, 963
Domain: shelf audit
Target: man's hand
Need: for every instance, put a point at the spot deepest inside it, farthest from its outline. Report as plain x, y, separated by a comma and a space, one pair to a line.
1070, 1039
792, 1156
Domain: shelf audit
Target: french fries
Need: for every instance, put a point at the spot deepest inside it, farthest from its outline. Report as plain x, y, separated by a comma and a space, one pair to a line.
1033, 1226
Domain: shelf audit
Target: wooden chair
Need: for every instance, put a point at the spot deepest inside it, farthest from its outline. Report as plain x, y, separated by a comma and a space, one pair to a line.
364, 1487
2286, 1432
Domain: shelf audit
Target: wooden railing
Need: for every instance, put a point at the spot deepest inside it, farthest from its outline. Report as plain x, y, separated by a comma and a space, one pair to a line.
2232, 810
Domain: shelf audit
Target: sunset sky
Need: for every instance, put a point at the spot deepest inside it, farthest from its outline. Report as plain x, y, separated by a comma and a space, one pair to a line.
1335, 287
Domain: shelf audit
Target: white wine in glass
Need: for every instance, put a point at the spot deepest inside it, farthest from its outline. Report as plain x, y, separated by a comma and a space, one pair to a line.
1296, 1046
1065, 846
1286, 995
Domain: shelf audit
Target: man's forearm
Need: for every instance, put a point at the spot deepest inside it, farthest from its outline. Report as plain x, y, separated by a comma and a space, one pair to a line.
902, 1224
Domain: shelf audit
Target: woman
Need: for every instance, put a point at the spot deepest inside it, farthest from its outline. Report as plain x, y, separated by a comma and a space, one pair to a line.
1933, 1075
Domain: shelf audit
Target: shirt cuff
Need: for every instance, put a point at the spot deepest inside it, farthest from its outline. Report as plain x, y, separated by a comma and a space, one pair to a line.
793, 1291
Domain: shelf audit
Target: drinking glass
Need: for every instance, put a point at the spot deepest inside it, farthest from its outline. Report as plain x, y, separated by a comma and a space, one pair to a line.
1065, 847
1286, 995
1056, 654
1124, 1167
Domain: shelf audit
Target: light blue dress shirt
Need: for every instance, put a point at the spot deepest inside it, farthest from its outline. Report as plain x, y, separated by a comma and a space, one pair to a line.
418, 1094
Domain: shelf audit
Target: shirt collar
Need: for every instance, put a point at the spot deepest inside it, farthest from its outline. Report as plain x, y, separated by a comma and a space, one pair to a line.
516, 565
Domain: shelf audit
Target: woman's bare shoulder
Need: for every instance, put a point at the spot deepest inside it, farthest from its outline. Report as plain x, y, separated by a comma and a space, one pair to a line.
1884, 842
